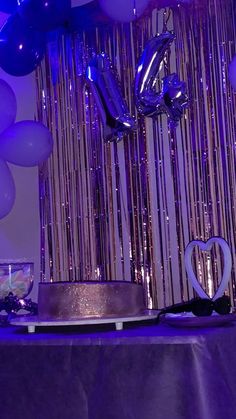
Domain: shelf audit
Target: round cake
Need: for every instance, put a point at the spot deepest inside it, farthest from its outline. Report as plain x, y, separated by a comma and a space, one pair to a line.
75, 300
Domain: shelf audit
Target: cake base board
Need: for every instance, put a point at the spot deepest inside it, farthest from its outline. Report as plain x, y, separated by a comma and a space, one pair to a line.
31, 322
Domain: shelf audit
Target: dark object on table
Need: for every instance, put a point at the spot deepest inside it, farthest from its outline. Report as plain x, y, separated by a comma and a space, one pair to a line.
12, 304
200, 307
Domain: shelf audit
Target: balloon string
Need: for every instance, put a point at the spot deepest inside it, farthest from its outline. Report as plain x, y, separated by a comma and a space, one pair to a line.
166, 17
166, 60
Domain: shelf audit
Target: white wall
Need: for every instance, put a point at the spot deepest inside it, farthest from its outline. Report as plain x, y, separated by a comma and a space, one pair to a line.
20, 230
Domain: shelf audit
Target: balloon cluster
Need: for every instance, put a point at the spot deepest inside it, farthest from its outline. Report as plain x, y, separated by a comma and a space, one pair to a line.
104, 83
23, 36
24, 143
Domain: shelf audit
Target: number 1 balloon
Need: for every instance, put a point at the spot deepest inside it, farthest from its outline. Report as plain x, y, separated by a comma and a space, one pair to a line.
172, 99
112, 107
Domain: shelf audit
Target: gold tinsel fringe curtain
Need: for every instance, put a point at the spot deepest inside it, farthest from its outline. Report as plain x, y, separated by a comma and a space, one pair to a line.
127, 210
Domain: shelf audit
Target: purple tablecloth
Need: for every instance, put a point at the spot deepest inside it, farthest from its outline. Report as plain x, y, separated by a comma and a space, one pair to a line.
142, 372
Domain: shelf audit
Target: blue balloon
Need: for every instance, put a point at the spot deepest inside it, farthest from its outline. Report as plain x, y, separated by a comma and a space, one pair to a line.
7, 189
26, 143
44, 15
21, 48
8, 6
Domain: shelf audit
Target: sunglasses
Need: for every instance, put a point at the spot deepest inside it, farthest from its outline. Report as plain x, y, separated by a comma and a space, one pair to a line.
201, 306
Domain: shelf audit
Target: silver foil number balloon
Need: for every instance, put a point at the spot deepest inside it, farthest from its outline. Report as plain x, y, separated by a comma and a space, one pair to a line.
112, 107
172, 98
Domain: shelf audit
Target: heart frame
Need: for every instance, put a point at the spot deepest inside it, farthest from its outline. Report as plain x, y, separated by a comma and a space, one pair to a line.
205, 246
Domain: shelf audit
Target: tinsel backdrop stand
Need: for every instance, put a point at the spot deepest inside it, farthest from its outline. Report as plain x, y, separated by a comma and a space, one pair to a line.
126, 211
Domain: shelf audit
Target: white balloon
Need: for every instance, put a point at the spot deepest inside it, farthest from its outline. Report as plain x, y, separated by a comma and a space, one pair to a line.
7, 189
77, 3
232, 72
123, 10
8, 105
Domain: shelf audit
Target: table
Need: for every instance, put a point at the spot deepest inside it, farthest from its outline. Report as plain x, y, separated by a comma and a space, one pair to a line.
142, 372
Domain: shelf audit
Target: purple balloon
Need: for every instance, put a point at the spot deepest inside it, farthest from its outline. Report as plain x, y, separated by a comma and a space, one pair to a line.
26, 143
7, 189
124, 10
172, 98
108, 97
8, 106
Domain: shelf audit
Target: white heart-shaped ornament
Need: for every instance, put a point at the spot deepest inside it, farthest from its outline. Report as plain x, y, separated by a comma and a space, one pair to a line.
206, 246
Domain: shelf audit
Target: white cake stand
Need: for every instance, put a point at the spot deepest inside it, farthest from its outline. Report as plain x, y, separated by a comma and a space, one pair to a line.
31, 322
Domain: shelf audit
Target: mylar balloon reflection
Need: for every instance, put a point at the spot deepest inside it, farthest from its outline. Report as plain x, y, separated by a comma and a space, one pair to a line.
111, 105
21, 48
7, 189
8, 106
172, 99
26, 143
